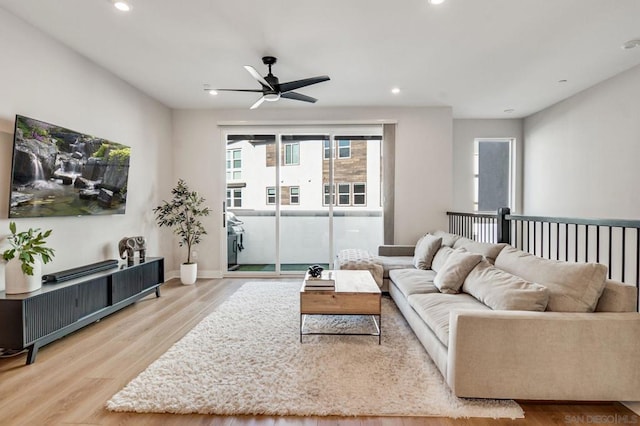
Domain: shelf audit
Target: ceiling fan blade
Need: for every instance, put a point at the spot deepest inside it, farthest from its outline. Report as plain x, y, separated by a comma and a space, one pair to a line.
258, 103
235, 90
293, 85
257, 76
298, 97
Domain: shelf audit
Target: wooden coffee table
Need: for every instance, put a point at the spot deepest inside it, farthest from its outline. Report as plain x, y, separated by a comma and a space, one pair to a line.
356, 293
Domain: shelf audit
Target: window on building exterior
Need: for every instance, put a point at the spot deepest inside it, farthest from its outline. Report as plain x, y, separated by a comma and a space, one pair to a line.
291, 154
325, 200
294, 195
344, 149
493, 174
327, 150
359, 194
234, 164
234, 197
271, 195
344, 194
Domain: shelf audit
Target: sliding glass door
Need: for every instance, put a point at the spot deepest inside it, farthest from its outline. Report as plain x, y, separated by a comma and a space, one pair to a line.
297, 196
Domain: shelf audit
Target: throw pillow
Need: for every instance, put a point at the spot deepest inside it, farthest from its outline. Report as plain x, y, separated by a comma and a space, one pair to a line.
448, 239
425, 250
501, 290
458, 265
441, 257
489, 250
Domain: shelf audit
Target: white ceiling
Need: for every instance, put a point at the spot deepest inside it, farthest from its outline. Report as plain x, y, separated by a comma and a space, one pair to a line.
478, 56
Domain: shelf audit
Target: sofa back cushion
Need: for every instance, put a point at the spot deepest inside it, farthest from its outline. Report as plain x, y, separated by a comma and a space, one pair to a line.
426, 248
448, 239
450, 277
573, 287
489, 250
501, 290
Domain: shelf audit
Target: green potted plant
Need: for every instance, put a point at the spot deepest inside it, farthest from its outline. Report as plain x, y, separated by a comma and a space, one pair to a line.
23, 271
183, 214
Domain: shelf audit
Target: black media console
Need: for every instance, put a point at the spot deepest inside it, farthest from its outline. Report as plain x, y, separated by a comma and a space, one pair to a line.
32, 320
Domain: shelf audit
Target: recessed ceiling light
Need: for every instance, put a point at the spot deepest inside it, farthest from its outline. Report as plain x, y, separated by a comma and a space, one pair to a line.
395, 90
631, 44
436, 1
509, 110
122, 5
562, 81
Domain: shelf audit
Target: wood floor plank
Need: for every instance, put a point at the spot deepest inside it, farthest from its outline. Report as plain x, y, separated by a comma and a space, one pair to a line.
74, 377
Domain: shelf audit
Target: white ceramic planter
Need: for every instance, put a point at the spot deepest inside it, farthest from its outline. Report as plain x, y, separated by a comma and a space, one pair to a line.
16, 282
188, 273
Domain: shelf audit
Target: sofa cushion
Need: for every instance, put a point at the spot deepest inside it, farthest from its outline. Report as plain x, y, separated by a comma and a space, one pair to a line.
426, 248
450, 277
413, 281
440, 258
501, 290
434, 309
489, 250
390, 263
448, 239
573, 287
617, 297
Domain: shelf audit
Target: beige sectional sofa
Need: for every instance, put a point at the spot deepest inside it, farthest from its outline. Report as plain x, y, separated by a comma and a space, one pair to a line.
518, 326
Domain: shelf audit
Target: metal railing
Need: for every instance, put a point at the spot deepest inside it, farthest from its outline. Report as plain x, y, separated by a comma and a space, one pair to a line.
613, 242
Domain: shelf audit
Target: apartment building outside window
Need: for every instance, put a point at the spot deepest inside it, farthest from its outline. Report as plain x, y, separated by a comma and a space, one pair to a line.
234, 164
291, 154
234, 197
344, 194
294, 195
359, 194
344, 149
271, 195
326, 201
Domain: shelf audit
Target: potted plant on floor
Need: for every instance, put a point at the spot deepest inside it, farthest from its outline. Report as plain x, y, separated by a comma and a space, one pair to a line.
183, 214
23, 271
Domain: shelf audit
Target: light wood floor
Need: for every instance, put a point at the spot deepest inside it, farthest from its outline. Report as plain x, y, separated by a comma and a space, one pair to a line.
74, 376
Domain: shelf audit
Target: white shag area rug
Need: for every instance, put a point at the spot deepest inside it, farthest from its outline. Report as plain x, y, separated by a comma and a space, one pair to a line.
245, 358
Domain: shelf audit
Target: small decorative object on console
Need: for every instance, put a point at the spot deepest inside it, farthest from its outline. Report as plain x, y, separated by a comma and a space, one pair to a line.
130, 245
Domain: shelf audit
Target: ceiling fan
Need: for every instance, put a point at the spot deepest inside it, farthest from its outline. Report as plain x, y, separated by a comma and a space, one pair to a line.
272, 90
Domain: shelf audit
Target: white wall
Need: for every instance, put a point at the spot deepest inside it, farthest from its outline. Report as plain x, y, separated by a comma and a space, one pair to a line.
423, 181
465, 131
582, 154
42, 79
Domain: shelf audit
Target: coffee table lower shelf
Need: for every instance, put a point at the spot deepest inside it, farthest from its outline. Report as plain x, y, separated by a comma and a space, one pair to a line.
377, 323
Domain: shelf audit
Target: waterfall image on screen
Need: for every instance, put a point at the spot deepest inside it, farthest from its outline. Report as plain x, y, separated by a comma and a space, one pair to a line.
60, 172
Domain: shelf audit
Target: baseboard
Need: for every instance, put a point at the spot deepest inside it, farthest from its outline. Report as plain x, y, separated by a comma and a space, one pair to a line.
201, 274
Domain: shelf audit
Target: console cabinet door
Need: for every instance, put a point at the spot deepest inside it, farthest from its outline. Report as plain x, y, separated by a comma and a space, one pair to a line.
49, 312
135, 279
125, 283
92, 296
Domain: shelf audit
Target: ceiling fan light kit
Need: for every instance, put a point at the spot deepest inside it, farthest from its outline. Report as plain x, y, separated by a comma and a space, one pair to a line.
272, 90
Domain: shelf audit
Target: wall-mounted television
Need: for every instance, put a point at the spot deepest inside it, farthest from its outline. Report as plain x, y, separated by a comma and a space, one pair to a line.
61, 172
